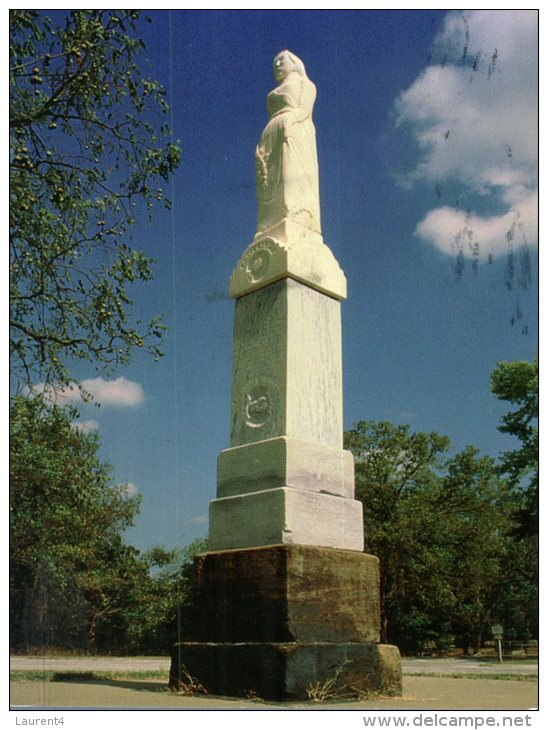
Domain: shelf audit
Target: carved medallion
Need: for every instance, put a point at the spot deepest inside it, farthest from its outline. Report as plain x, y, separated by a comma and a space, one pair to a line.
257, 266
256, 260
259, 406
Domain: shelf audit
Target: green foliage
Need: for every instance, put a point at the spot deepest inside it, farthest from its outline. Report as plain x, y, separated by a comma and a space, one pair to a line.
89, 153
395, 472
517, 383
161, 601
518, 596
472, 508
135, 598
440, 529
74, 582
64, 516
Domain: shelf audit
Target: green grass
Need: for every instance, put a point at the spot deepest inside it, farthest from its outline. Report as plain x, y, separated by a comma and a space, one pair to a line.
50, 675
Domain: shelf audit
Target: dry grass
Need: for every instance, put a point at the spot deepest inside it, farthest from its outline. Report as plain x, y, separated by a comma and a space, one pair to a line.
188, 685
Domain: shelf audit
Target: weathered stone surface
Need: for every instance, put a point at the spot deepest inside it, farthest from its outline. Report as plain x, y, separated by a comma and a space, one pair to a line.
288, 671
286, 593
287, 367
288, 250
286, 477
285, 462
278, 621
288, 516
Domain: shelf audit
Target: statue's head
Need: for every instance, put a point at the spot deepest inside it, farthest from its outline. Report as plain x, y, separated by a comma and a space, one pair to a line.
285, 63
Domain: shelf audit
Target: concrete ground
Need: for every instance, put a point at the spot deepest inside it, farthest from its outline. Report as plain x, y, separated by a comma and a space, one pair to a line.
420, 692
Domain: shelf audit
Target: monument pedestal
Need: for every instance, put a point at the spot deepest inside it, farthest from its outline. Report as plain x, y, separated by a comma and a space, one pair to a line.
286, 477
276, 621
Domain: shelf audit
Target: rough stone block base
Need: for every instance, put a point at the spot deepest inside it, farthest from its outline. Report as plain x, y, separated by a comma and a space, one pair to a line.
281, 621
289, 671
286, 593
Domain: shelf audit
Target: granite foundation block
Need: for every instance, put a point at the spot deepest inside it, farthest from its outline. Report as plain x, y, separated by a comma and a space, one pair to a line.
287, 671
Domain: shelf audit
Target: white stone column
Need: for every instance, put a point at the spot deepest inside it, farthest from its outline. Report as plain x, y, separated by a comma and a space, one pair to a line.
285, 477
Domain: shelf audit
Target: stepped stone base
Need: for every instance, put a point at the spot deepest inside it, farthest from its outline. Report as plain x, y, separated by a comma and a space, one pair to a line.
285, 515
285, 462
289, 671
277, 621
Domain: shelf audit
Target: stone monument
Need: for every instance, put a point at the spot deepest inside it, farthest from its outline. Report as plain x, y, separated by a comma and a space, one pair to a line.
286, 598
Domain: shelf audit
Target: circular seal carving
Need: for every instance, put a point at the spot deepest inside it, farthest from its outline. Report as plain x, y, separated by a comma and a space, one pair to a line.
256, 262
258, 265
259, 406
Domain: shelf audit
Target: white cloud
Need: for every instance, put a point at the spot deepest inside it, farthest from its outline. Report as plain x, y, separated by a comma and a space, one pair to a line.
475, 120
119, 393
454, 232
86, 426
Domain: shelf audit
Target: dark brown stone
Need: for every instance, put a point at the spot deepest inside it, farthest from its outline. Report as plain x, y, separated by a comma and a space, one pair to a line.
280, 622
288, 671
286, 593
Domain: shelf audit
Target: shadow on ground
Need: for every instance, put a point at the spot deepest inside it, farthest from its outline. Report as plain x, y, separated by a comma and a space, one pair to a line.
137, 685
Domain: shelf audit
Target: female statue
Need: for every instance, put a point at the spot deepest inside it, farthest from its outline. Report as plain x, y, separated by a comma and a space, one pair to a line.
286, 158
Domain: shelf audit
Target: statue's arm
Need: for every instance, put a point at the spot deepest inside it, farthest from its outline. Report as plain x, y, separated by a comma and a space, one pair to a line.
303, 95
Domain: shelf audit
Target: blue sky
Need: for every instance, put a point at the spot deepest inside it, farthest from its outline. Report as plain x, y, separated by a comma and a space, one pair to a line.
427, 143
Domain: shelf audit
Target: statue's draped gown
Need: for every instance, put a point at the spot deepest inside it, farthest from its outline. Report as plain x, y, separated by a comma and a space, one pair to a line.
286, 157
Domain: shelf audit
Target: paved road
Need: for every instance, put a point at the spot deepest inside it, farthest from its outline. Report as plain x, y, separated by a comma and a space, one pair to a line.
468, 666
90, 664
147, 664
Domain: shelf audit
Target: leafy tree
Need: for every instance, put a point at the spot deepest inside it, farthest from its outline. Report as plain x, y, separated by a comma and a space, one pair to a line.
439, 527
517, 383
65, 516
473, 519
516, 606
395, 470
140, 599
163, 606
89, 152
74, 582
